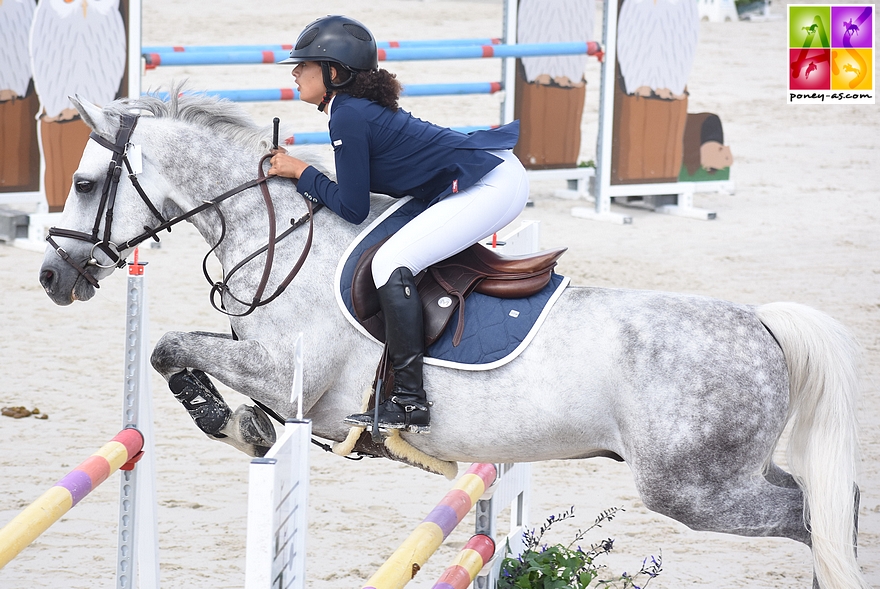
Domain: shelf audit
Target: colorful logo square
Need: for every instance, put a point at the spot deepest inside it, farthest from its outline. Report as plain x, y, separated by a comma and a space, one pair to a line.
831, 54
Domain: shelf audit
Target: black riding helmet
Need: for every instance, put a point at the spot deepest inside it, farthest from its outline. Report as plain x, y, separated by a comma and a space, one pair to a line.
341, 41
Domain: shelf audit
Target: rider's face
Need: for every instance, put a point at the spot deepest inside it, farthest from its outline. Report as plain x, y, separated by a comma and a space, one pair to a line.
310, 81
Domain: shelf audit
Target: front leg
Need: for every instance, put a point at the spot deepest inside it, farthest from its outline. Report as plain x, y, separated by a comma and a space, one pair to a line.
183, 359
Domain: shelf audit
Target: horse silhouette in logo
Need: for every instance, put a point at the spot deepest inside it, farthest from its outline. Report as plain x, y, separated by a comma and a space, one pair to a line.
847, 67
850, 28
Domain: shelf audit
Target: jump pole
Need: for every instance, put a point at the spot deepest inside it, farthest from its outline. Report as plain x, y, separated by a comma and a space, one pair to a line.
391, 54
285, 47
478, 551
402, 566
120, 452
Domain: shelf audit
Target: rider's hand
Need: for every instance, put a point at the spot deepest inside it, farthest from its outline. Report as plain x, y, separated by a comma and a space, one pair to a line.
285, 165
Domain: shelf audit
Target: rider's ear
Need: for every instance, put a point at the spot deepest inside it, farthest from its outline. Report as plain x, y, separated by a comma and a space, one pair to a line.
93, 116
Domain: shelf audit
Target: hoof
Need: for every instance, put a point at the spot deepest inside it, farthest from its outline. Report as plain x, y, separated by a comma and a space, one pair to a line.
254, 428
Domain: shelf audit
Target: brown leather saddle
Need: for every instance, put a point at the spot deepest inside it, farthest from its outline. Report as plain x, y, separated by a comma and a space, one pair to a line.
445, 286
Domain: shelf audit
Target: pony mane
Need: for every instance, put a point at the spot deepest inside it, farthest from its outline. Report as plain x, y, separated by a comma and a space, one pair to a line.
220, 115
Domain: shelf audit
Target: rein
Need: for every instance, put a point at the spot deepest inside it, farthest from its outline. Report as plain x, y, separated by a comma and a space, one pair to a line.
108, 202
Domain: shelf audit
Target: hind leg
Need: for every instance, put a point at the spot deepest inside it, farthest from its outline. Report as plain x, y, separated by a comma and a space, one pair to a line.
743, 505
780, 478
746, 506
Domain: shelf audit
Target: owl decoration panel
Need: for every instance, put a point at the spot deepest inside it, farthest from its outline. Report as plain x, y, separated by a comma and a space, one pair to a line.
656, 45
50, 50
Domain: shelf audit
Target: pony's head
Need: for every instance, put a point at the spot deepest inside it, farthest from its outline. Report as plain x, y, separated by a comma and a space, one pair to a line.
119, 192
100, 213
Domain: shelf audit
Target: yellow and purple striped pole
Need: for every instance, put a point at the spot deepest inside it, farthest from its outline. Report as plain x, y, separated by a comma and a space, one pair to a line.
406, 561
45, 511
472, 558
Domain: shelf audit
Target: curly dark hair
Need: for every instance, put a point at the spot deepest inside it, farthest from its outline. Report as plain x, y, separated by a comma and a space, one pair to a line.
380, 86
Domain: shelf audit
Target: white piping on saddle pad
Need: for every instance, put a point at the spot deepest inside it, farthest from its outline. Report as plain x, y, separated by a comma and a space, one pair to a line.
435, 361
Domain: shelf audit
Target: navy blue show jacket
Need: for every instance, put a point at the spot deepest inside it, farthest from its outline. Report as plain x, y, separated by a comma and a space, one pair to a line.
394, 153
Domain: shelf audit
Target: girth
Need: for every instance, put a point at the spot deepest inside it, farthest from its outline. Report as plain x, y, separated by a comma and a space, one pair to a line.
445, 286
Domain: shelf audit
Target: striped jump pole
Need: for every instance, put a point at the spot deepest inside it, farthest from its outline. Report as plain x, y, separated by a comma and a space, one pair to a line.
323, 137
402, 566
119, 453
486, 51
472, 558
186, 58
286, 47
275, 94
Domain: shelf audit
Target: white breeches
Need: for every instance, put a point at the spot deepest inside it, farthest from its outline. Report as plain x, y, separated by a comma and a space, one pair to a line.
456, 222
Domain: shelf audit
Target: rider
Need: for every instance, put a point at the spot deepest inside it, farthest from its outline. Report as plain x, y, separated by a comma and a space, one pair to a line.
473, 184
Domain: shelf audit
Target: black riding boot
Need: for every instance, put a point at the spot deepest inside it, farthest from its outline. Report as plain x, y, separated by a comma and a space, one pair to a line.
406, 407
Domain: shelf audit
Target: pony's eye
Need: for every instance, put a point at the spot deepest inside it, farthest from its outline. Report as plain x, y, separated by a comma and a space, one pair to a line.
85, 186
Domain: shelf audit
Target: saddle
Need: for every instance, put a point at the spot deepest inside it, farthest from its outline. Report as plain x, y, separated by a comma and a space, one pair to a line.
445, 286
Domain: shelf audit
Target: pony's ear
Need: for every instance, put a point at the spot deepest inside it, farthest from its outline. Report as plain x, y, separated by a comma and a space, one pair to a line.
93, 116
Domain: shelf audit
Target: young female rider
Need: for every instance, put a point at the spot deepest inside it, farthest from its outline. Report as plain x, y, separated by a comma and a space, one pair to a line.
474, 186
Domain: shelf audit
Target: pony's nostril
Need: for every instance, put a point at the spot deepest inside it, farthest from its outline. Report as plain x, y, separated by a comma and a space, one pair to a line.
47, 277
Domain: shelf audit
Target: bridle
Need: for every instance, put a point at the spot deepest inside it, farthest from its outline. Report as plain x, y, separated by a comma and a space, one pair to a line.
107, 204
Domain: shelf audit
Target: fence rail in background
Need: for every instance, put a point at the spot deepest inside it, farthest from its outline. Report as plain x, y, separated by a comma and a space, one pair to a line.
286, 47
274, 94
191, 58
323, 137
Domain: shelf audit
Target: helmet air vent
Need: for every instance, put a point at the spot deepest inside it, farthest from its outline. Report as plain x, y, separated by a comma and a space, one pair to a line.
357, 32
306, 38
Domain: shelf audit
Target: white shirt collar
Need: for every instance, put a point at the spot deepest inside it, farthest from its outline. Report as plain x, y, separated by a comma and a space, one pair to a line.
330, 104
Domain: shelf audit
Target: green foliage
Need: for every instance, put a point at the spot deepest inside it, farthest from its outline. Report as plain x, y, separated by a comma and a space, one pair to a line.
560, 566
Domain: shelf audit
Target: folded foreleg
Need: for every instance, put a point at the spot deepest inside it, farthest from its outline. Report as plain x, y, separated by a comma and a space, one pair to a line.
186, 359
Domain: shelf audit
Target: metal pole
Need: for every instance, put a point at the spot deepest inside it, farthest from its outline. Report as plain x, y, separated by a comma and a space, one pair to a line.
606, 109
137, 547
508, 64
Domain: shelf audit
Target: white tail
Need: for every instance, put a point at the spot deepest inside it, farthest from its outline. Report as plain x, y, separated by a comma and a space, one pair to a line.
823, 452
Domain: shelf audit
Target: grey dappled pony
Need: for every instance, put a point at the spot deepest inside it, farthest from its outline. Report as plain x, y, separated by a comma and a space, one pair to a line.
693, 393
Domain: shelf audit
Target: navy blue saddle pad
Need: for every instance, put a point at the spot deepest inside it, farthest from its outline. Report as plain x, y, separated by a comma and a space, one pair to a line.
495, 330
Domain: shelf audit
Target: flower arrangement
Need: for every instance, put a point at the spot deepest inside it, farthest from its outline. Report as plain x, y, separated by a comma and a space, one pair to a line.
561, 566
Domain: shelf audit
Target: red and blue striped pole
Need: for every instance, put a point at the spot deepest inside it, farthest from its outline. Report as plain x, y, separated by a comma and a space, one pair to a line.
285, 47
181, 58
273, 94
119, 453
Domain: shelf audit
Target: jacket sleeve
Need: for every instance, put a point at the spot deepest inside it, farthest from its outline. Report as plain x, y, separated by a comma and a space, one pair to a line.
349, 196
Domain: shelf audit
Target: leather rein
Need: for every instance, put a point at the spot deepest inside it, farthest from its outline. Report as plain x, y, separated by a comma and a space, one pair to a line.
106, 208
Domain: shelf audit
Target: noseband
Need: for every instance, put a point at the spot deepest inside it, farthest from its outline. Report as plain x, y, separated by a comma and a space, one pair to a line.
127, 124
108, 201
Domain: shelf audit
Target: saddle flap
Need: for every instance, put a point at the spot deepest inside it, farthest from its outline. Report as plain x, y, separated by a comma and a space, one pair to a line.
363, 289
365, 300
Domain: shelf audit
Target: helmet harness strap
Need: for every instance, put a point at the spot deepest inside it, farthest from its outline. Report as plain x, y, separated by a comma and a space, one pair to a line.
330, 85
